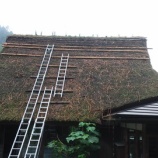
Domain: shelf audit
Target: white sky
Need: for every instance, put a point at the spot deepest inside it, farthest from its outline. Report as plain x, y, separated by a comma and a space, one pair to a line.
84, 17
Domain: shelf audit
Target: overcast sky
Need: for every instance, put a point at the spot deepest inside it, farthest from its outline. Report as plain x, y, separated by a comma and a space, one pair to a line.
85, 18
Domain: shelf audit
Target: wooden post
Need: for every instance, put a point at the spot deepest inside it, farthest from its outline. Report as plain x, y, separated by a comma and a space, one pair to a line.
2, 135
144, 143
126, 142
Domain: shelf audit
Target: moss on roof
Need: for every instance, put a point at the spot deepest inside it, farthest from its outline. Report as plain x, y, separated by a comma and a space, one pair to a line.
98, 84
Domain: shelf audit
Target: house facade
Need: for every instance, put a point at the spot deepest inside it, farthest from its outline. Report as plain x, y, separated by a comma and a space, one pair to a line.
109, 81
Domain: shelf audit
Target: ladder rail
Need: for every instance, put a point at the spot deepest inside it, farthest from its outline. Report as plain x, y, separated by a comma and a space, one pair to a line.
36, 123
24, 118
62, 67
65, 75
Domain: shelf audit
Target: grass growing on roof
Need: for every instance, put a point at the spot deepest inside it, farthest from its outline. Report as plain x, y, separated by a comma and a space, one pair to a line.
98, 84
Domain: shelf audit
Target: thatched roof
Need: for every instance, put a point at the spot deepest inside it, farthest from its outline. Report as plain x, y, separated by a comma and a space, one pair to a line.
103, 73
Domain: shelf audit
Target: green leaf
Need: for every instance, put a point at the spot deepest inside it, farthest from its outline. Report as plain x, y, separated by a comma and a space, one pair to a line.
81, 156
96, 133
81, 124
68, 139
85, 136
90, 129
93, 139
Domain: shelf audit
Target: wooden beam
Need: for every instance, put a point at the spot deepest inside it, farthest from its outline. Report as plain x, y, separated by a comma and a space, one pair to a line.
96, 57
65, 91
70, 46
81, 57
100, 50
24, 44
17, 54
105, 47
55, 102
81, 49
58, 102
26, 47
52, 77
69, 66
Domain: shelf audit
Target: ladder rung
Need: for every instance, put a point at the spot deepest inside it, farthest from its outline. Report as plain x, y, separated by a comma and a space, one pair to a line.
60, 80
37, 85
35, 134
35, 94
25, 123
42, 112
58, 89
48, 90
58, 84
37, 127
20, 135
30, 108
62, 73
63, 66
26, 118
40, 117
28, 113
36, 90
31, 103
19, 142
47, 94
44, 102
57, 93
43, 68
39, 122
30, 154
33, 98
40, 76
32, 146
34, 140
59, 77
16, 148
23, 130
44, 65
42, 71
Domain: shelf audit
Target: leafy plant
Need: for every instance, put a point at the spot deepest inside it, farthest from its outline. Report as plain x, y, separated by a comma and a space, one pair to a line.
79, 143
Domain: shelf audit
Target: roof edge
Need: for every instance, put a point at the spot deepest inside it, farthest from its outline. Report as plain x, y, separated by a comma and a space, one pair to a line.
112, 112
90, 37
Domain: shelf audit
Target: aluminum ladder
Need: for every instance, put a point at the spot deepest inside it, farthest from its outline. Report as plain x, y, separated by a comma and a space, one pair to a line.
21, 134
59, 86
38, 127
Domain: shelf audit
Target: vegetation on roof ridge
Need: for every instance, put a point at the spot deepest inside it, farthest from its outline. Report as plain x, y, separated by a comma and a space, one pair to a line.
79, 36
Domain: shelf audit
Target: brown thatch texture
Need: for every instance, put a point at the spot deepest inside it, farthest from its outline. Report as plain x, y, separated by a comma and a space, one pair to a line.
98, 84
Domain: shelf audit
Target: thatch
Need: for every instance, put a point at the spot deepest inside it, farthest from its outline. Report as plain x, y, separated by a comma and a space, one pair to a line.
103, 73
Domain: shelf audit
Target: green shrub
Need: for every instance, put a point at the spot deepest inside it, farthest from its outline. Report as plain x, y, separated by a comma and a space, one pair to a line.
80, 142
